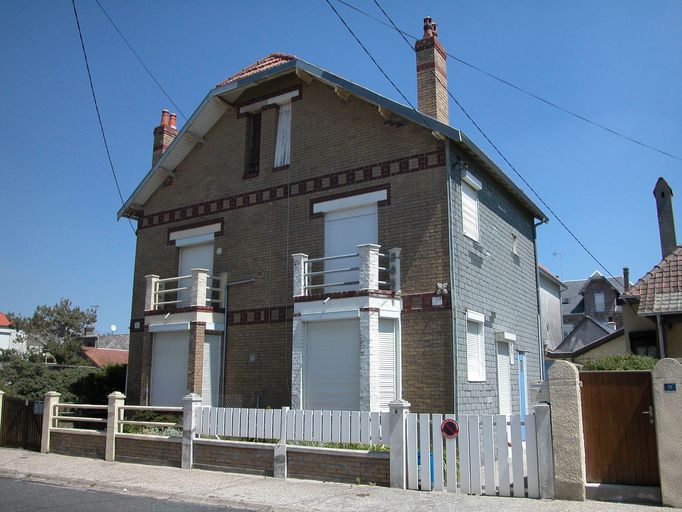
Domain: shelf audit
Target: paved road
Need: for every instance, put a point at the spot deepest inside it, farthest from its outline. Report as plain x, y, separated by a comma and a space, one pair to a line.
24, 496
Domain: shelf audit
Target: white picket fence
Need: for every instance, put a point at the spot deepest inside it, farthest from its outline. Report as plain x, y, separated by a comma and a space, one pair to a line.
297, 425
487, 463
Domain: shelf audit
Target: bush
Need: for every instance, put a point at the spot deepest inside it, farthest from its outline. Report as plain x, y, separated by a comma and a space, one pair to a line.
621, 362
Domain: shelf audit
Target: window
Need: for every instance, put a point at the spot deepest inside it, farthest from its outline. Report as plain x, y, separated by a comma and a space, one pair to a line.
515, 245
283, 143
470, 188
599, 302
253, 145
475, 347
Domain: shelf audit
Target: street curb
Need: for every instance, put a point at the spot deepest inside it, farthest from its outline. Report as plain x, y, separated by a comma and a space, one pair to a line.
127, 490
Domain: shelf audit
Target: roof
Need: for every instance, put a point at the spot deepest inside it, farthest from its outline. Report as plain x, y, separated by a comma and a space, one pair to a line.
556, 353
660, 289
571, 296
105, 356
271, 61
223, 97
4, 321
550, 276
585, 333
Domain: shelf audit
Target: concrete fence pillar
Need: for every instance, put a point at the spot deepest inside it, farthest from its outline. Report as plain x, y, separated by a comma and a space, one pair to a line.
49, 409
116, 401
667, 387
568, 441
2, 397
398, 452
543, 435
280, 459
190, 408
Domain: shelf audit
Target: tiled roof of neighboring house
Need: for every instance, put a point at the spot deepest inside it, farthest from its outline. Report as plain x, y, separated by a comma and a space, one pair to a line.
660, 290
271, 61
105, 356
559, 353
571, 298
4, 321
586, 332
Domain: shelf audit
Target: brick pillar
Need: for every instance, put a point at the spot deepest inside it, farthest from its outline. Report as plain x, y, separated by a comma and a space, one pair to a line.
146, 366
299, 274
150, 292
195, 361
297, 351
368, 275
369, 359
164, 135
432, 80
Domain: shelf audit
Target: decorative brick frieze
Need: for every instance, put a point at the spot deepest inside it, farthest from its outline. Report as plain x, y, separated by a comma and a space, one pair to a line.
188, 309
260, 315
341, 179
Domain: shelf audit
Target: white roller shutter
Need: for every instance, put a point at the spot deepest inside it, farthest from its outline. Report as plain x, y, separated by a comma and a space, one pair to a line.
475, 351
193, 256
504, 378
386, 363
210, 385
332, 365
470, 211
169, 368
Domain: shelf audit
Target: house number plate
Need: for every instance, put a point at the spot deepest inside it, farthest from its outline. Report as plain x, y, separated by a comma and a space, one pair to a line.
669, 386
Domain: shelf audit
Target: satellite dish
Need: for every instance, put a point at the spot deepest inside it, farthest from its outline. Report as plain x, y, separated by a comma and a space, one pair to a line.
113, 327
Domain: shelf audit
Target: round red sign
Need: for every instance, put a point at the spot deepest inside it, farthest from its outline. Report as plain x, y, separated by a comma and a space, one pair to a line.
449, 428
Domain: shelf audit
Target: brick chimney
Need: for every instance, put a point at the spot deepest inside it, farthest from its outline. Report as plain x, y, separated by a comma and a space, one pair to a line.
164, 135
666, 222
626, 279
432, 79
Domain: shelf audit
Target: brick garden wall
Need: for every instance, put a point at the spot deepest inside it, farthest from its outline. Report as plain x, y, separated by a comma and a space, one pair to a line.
160, 452
241, 456
368, 468
78, 444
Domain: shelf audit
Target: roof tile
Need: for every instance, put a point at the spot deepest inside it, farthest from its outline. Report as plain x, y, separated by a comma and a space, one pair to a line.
271, 61
660, 289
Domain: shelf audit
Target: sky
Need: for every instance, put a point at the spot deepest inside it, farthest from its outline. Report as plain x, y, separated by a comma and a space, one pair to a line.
616, 62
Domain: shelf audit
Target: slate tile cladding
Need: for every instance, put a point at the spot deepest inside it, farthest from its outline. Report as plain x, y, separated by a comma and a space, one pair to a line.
337, 146
490, 279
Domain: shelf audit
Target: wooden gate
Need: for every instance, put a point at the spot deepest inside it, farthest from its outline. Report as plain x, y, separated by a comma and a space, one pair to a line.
21, 427
620, 435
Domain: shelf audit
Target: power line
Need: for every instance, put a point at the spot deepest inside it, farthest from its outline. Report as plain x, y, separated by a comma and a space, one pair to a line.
99, 116
130, 47
499, 152
520, 89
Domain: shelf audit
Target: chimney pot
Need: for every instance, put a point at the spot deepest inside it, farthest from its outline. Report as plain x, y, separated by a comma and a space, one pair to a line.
172, 121
163, 135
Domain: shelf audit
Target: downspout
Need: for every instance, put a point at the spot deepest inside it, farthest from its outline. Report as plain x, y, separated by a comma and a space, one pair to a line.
451, 258
537, 298
661, 335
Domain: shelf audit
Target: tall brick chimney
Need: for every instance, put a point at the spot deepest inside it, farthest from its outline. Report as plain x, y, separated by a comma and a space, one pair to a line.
164, 135
432, 78
666, 222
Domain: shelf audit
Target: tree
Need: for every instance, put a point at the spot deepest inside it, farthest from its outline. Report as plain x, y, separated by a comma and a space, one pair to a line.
57, 329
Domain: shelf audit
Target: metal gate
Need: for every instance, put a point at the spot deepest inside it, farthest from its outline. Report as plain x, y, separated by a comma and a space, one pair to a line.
21, 425
618, 420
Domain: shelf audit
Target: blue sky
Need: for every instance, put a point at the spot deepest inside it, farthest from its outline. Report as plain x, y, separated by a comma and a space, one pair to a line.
617, 62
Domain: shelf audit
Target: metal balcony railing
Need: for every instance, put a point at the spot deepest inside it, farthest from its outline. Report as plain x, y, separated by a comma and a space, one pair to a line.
195, 289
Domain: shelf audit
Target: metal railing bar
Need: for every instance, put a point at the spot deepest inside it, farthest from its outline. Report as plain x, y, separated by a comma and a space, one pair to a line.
331, 284
336, 270
78, 418
66, 405
329, 258
154, 408
167, 279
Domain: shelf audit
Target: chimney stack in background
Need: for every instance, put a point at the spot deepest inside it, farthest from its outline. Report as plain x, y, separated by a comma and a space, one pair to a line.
432, 78
164, 135
626, 279
666, 222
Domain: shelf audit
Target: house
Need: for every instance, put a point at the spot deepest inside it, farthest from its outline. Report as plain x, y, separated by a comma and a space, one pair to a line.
595, 297
9, 337
305, 241
105, 349
651, 309
551, 289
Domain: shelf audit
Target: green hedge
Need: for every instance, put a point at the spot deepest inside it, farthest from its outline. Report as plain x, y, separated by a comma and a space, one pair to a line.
621, 362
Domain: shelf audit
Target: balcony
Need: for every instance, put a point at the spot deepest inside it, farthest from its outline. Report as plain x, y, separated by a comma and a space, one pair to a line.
172, 303
367, 271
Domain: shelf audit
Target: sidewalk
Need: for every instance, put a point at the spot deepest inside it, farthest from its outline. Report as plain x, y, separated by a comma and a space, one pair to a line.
261, 493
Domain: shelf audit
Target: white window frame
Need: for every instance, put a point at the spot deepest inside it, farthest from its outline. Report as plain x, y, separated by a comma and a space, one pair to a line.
476, 373
470, 188
283, 140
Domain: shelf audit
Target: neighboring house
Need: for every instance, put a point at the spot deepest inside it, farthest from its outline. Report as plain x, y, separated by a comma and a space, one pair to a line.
108, 341
9, 337
595, 297
304, 241
551, 289
101, 357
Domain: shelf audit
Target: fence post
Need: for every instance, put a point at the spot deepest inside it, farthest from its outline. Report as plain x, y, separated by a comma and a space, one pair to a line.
190, 406
116, 401
398, 414
543, 435
280, 461
568, 440
51, 400
2, 397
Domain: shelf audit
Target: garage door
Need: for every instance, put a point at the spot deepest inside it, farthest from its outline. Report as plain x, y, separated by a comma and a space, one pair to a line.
169, 368
332, 366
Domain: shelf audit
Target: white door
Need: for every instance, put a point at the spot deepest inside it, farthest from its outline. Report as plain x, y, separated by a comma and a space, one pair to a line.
504, 378
332, 365
210, 385
193, 256
169, 368
344, 230
387, 363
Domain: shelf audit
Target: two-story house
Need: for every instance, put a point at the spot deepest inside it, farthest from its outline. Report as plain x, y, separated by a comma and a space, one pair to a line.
303, 240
